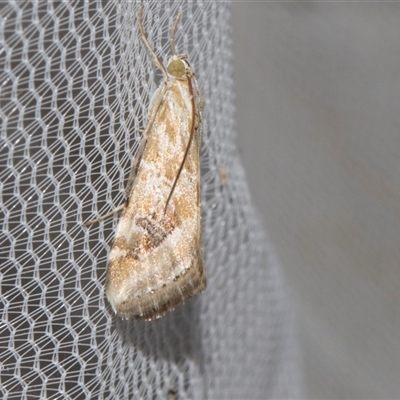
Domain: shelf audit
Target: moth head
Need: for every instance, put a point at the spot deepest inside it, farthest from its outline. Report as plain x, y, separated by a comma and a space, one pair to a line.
177, 66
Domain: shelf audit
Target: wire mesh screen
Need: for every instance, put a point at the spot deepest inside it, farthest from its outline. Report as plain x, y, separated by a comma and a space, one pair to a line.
76, 82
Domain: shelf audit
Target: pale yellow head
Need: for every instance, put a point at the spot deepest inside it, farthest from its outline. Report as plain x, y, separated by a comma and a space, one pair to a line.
176, 67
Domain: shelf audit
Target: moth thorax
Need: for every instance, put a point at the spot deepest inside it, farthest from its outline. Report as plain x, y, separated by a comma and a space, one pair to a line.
176, 68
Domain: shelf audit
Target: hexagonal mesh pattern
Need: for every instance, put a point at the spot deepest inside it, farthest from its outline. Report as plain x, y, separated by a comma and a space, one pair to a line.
75, 85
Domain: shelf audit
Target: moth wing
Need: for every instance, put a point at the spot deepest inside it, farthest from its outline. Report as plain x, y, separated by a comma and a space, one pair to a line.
155, 262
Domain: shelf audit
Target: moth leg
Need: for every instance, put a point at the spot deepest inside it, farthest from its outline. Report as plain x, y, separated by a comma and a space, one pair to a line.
135, 164
201, 103
105, 216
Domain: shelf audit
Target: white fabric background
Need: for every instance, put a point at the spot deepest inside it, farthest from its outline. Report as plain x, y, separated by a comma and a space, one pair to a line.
76, 83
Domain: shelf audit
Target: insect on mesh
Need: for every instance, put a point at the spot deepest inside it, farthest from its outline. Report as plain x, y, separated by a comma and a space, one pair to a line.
76, 82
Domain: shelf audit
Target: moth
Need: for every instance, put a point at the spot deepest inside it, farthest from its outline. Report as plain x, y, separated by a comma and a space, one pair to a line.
156, 262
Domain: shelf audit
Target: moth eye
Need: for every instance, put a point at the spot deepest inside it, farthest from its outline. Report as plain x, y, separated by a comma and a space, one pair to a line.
176, 68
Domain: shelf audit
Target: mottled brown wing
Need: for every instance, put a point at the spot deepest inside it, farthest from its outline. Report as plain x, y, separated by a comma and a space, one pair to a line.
155, 262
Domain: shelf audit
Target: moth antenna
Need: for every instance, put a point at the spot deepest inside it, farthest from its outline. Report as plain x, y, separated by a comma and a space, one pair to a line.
186, 151
156, 60
172, 34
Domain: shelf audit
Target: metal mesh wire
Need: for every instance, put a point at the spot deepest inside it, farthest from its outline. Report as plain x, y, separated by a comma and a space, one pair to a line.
75, 85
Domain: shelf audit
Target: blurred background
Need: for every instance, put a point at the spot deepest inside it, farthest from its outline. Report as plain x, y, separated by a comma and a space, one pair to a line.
318, 114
